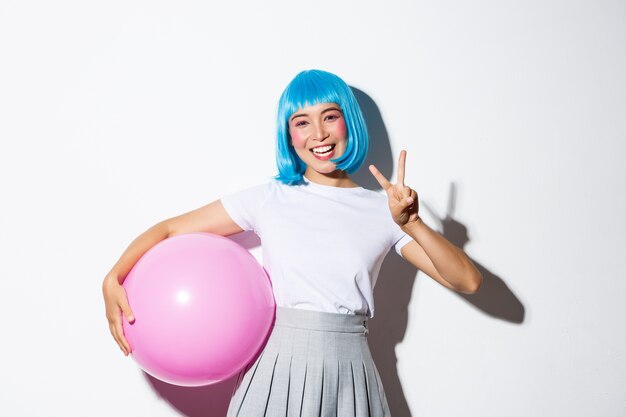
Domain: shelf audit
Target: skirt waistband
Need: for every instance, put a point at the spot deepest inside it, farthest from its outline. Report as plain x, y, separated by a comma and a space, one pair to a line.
320, 320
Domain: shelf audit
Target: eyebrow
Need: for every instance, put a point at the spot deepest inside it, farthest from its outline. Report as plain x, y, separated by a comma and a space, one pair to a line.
323, 111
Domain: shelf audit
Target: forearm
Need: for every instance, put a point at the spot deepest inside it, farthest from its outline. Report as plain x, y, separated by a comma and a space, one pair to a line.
451, 262
136, 250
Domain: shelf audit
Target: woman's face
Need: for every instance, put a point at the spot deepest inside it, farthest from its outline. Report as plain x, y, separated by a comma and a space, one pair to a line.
318, 133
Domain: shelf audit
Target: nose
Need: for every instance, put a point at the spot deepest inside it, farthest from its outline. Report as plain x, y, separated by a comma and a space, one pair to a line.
320, 132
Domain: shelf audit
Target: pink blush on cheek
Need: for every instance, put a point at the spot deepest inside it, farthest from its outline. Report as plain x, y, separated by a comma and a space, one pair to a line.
342, 130
297, 140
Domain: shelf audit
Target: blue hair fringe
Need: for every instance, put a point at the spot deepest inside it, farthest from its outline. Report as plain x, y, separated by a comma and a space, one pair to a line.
308, 88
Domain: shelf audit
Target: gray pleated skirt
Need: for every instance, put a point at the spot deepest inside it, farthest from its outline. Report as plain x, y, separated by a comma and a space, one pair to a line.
314, 364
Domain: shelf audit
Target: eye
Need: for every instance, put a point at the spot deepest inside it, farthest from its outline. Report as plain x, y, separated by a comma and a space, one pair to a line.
300, 123
332, 117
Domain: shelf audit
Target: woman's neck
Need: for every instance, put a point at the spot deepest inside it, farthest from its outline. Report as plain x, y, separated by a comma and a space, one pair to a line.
337, 178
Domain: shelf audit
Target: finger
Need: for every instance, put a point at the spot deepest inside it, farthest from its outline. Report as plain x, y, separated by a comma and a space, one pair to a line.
125, 307
401, 166
407, 202
120, 335
380, 177
117, 338
409, 194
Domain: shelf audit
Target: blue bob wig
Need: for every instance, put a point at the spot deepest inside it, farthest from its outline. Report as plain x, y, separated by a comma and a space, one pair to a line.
308, 88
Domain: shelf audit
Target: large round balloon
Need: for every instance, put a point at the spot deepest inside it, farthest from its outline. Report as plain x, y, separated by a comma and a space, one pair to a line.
203, 309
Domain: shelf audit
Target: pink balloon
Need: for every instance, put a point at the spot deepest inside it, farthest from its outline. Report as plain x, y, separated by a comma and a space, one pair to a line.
203, 309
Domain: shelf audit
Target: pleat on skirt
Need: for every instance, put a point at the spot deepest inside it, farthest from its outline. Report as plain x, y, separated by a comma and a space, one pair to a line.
314, 364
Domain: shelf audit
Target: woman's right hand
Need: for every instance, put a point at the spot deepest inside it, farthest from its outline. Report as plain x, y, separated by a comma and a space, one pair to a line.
211, 218
116, 304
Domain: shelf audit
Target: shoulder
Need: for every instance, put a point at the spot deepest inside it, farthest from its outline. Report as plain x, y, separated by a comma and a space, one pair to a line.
374, 195
378, 204
250, 195
375, 198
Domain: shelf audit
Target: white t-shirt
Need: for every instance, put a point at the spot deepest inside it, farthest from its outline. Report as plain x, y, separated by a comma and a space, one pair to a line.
322, 246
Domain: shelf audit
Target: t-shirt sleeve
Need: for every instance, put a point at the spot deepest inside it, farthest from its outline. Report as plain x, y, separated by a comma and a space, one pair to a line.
400, 238
244, 206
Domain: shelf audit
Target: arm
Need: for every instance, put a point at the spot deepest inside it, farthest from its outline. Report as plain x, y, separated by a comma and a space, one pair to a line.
211, 218
439, 259
429, 251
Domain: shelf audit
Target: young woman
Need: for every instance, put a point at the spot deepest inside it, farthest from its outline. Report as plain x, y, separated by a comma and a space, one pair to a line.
323, 241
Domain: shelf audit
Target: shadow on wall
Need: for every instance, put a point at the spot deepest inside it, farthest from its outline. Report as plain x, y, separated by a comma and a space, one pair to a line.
397, 277
208, 401
392, 293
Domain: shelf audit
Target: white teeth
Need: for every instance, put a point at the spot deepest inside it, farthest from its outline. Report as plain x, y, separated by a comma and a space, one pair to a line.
322, 149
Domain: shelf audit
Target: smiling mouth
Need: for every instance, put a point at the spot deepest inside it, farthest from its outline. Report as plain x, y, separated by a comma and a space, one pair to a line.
323, 150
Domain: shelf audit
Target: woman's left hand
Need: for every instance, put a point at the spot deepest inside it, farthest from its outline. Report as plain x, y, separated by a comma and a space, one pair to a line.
403, 202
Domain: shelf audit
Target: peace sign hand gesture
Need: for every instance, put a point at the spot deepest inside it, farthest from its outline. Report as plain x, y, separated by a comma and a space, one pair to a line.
403, 202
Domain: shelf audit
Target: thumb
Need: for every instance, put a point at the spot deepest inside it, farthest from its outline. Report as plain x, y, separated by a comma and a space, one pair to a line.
406, 202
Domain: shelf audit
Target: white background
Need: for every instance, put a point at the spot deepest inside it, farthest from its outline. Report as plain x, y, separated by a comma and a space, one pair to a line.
116, 115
